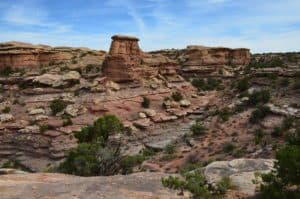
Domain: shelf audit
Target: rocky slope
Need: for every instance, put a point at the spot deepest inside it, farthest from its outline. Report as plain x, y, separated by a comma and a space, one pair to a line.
33, 77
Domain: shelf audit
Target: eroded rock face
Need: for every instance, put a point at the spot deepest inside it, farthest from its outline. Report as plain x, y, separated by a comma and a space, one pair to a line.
24, 55
124, 59
135, 186
207, 60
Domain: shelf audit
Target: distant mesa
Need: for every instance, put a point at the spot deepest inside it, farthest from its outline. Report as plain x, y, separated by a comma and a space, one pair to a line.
125, 61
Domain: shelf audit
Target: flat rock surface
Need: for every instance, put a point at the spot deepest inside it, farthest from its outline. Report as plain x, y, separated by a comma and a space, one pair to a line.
59, 186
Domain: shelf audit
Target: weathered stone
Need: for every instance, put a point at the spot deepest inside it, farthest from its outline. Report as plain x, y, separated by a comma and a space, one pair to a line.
49, 185
49, 80
185, 103
74, 110
142, 123
241, 171
36, 111
150, 112
71, 76
6, 117
112, 85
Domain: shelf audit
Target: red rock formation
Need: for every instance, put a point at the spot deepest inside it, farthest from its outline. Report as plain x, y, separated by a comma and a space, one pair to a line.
124, 60
206, 60
23, 55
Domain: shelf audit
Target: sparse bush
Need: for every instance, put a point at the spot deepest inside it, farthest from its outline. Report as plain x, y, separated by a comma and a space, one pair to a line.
129, 162
284, 181
258, 136
243, 84
228, 147
6, 71
284, 82
100, 130
67, 121
57, 106
146, 102
259, 97
43, 128
89, 68
198, 129
258, 114
296, 84
206, 85
177, 96
170, 148
224, 114
91, 160
223, 185
277, 131
6, 110
293, 137
193, 182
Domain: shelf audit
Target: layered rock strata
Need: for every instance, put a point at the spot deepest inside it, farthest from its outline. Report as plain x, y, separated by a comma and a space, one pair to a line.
124, 59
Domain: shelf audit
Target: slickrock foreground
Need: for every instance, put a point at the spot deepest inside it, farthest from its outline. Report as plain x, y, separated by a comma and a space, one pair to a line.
60, 186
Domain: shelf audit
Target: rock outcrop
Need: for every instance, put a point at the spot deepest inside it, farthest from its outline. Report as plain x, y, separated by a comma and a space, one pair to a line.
240, 171
124, 59
208, 60
59, 186
24, 55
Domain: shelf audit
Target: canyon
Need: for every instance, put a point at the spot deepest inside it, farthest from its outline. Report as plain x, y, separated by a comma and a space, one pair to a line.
184, 88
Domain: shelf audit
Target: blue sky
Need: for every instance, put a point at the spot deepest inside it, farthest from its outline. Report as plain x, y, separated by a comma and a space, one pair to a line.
261, 25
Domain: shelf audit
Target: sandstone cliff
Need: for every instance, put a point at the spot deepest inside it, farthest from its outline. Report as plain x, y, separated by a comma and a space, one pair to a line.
207, 60
28, 56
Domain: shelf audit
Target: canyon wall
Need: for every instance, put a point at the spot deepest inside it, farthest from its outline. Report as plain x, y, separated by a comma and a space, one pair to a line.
28, 56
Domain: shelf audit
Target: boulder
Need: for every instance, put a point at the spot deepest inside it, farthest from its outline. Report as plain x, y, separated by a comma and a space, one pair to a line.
36, 111
6, 117
49, 80
150, 112
74, 110
240, 171
71, 76
112, 85
142, 123
185, 103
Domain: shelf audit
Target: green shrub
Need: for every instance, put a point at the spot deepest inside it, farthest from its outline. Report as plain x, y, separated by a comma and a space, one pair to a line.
259, 97
100, 130
199, 83
198, 129
228, 147
258, 136
129, 162
91, 160
223, 185
43, 128
208, 85
57, 106
193, 182
177, 96
6, 110
296, 84
293, 137
284, 82
146, 102
243, 85
67, 121
170, 148
224, 114
284, 181
260, 113
89, 68
6, 71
